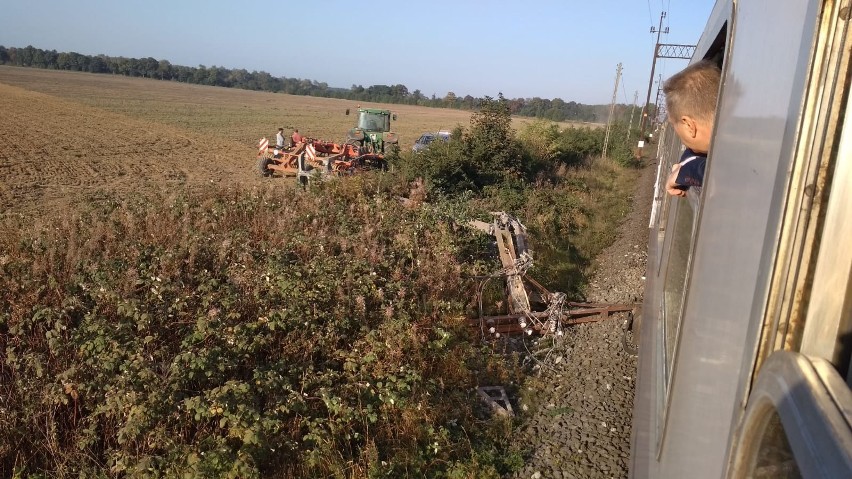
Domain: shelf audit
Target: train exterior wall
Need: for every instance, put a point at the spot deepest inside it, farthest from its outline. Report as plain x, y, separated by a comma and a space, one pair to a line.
684, 427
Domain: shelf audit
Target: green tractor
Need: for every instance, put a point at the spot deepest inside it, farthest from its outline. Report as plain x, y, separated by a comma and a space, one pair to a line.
373, 133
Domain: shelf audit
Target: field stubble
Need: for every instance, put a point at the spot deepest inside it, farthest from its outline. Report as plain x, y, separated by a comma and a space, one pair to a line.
68, 136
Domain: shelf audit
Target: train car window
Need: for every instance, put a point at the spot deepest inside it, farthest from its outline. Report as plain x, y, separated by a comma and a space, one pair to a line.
774, 457
678, 263
682, 221
796, 423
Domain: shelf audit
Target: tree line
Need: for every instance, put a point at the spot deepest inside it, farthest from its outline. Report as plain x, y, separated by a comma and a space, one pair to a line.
554, 110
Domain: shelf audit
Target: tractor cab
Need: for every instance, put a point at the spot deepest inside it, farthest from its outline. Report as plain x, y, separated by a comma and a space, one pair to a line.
374, 120
373, 132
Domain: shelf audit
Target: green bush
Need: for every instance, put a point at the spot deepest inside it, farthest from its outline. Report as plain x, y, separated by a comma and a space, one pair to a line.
241, 334
487, 153
491, 146
621, 145
553, 180
575, 145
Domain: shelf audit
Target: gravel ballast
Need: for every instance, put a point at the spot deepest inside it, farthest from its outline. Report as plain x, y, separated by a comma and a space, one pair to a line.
576, 409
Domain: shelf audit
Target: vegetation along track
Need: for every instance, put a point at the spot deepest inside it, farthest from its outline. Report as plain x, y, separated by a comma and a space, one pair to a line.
577, 412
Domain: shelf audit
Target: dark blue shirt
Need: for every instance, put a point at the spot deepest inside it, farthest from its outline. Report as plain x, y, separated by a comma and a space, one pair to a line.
691, 171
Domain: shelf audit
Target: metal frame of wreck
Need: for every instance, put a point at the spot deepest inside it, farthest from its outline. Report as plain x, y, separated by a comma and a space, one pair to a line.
516, 260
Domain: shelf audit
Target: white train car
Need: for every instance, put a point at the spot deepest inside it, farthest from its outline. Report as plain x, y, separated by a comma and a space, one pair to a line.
746, 330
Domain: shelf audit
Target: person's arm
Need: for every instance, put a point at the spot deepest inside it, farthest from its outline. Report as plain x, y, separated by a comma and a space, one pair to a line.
672, 187
685, 174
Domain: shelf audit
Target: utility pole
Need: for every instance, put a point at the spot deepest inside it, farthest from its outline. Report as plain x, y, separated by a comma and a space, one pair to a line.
632, 111
661, 50
611, 109
643, 119
659, 106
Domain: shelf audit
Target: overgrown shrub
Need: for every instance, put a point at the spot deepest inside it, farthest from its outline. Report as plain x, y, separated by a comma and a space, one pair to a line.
621, 145
575, 145
540, 140
557, 185
487, 153
242, 334
491, 146
570, 219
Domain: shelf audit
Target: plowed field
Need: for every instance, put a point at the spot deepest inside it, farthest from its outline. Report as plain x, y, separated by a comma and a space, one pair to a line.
69, 137
55, 152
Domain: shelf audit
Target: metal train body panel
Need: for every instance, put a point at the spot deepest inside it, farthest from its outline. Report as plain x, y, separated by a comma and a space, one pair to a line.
731, 268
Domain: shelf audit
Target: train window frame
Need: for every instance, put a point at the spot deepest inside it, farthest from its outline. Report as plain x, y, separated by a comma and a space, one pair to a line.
800, 404
677, 214
829, 318
827, 128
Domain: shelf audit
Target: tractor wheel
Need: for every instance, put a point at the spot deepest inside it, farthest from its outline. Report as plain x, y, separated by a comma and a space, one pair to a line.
263, 166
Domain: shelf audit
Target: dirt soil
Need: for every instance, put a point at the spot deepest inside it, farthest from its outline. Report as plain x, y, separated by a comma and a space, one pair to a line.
55, 153
576, 412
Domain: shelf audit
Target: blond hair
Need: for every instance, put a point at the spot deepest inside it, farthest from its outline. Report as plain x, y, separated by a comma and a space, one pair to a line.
693, 91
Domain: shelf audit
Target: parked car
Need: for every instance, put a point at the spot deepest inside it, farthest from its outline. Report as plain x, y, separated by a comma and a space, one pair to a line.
426, 138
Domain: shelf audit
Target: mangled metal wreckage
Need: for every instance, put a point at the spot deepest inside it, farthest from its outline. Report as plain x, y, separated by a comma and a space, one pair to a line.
532, 308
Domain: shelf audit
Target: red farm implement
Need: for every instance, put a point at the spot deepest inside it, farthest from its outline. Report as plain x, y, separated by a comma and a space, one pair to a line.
312, 158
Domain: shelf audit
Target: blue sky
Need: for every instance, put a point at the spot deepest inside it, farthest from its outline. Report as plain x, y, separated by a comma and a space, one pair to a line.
565, 49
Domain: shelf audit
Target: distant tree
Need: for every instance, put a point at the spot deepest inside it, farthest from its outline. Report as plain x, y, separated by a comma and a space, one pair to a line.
119, 66
450, 99
556, 109
63, 61
25, 56
50, 59
98, 65
266, 82
164, 70
215, 76
199, 75
468, 102
516, 105
491, 144
377, 91
183, 74
132, 67
555, 114
149, 67
399, 91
